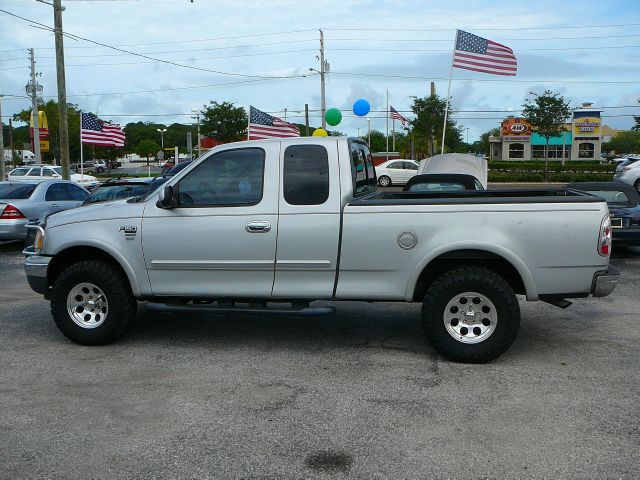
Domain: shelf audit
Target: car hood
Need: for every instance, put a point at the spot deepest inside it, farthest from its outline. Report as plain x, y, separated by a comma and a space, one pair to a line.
97, 211
77, 177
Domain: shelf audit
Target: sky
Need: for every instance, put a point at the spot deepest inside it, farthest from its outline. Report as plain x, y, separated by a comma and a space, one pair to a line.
260, 53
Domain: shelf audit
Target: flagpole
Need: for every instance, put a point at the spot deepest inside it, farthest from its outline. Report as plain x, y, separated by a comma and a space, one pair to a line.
249, 124
81, 153
387, 117
393, 133
446, 105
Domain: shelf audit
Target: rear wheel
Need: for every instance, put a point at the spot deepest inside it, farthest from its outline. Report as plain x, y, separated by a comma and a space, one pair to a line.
92, 303
470, 315
384, 181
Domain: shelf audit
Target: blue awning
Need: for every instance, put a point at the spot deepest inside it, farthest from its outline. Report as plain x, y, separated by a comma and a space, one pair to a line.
537, 139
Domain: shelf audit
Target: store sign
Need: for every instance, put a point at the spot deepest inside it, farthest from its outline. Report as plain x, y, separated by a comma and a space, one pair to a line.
586, 127
516, 127
44, 145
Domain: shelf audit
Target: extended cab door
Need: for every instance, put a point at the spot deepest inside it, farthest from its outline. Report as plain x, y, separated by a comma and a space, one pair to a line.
309, 225
220, 240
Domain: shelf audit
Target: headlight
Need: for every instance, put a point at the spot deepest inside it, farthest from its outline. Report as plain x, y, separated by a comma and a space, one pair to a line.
38, 244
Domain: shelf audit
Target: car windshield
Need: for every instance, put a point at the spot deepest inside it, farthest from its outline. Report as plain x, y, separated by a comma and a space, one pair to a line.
437, 187
14, 192
116, 192
611, 196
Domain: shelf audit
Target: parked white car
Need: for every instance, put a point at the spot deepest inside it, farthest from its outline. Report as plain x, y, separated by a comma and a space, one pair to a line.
396, 172
629, 172
49, 172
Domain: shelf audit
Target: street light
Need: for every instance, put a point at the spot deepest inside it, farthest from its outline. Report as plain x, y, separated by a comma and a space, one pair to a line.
161, 137
197, 112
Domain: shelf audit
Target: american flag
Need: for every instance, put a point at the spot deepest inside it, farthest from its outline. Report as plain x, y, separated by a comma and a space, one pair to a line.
395, 114
482, 55
262, 125
97, 132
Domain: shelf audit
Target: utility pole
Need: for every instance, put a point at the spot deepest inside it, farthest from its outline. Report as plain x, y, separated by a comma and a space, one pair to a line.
2, 143
323, 105
285, 114
306, 117
32, 89
369, 127
62, 91
197, 112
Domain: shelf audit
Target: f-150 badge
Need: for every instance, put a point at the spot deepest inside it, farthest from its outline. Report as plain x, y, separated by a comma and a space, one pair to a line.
129, 231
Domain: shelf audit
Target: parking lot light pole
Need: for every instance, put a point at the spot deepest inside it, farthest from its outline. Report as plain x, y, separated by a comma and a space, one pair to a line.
161, 137
2, 172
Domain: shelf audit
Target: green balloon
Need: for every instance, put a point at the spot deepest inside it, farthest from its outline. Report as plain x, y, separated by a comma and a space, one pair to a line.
333, 116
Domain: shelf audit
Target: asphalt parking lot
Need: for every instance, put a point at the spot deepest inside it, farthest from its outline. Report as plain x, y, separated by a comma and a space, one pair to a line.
355, 395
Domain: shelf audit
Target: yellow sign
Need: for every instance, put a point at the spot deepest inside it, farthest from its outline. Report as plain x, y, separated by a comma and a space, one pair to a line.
44, 145
586, 126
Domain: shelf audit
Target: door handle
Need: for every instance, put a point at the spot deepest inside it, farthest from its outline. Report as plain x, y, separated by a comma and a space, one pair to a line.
257, 227
54, 205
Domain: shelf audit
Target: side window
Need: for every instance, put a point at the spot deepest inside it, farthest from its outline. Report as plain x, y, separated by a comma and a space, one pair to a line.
358, 170
228, 178
371, 169
306, 175
34, 172
57, 193
48, 172
19, 172
410, 166
395, 165
74, 192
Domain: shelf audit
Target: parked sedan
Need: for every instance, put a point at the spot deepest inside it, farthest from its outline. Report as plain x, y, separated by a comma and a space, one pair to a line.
34, 200
624, 208
396, 172
49, 172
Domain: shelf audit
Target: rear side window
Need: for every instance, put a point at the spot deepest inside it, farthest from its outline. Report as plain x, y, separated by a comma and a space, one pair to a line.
15, 192
19, 172
57, 193
306, 175
35, 172
362, 169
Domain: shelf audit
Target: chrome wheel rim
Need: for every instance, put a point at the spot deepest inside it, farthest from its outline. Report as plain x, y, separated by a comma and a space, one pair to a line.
470, 317
87, 305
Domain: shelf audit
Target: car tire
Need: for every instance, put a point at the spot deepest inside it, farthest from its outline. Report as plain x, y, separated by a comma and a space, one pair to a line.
384, 181
637, 185
89, 172
470, 315
92, 303
99, 169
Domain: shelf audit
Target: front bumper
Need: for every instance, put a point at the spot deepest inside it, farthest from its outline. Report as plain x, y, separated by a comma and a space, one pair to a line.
604, 282
35, 266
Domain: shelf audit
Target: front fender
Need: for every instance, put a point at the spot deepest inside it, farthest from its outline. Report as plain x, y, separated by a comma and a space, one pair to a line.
512, 258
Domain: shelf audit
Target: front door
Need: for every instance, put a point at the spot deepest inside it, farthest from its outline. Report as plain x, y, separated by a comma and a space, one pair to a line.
220, 239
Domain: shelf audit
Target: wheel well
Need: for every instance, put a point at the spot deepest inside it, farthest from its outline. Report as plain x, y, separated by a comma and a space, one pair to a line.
467, 258
78, 254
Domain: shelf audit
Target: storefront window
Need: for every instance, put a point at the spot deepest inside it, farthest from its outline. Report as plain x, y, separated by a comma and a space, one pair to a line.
516, 150
586, 150
555, 151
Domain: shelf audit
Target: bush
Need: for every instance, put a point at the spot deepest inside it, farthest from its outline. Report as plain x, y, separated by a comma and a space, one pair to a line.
554, 166
562, 177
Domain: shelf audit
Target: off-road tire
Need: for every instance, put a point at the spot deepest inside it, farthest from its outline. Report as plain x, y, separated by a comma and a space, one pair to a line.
114, 284
470, 279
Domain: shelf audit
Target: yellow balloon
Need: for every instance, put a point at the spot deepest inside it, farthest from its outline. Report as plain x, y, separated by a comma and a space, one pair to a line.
320, 132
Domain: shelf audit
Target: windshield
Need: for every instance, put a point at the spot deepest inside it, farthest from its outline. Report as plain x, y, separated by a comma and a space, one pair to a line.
116, 192
436, 187
14, 192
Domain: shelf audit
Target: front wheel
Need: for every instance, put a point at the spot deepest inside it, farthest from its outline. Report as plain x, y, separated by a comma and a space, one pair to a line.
471, 315
384, 181
92, 303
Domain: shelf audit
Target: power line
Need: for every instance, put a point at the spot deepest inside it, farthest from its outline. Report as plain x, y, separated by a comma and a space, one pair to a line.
448, 40
612, 25
191, 67
346, 49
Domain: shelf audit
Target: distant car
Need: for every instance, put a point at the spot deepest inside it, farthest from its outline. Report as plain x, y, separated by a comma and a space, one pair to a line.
396, 172
34, 200
118, 189
624, 208
49, 172
442, 182
90, 166
629, 172
167, 173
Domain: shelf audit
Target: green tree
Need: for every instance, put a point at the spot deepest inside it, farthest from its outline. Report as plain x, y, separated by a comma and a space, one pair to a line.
483, 146
623, 142
426, 128
224, 121
147, 148
547, 113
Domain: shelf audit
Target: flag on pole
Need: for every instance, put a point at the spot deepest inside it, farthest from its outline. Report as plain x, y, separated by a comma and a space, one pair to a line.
396, 115
482, 55
94, 131
262, 125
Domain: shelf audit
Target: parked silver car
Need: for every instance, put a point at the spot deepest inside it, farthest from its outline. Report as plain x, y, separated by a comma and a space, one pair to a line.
34, 200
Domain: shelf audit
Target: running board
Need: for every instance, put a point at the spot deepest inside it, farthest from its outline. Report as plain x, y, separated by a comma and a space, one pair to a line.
229, 307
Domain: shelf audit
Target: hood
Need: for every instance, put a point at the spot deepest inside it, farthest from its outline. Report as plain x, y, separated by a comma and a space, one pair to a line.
456, 163
97, 211
76, 177
633, 212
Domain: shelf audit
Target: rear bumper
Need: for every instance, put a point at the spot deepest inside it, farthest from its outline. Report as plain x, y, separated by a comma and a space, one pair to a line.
604, 282
35, 266
13, 229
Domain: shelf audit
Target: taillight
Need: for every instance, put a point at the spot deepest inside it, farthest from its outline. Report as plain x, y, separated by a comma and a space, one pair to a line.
11, 213
604, 239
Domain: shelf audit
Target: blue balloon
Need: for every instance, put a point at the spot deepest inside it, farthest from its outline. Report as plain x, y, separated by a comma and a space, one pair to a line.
361, 107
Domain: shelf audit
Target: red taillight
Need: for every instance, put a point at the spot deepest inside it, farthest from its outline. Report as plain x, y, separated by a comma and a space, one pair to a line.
11, 213
604, 237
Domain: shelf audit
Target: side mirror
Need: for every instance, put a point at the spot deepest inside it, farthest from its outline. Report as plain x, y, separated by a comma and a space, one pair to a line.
166, 199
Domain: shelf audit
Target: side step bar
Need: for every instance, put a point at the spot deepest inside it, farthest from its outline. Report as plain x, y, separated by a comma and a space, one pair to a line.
301, 309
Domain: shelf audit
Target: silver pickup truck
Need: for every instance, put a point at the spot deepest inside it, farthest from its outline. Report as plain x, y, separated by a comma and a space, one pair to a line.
269, 226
